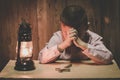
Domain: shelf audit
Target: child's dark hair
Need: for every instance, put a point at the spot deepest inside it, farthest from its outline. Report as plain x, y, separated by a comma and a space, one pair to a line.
74, 16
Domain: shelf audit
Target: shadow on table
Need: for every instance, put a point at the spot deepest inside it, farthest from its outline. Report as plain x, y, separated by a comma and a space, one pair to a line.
87, 62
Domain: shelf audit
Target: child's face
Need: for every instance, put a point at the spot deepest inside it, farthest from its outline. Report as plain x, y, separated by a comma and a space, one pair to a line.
65, 29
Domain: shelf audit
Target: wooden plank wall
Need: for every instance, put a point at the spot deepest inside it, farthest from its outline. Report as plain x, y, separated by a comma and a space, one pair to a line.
107, 14
43, 15
10, 17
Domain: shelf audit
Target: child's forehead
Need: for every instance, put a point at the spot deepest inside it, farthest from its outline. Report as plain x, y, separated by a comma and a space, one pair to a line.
66, 28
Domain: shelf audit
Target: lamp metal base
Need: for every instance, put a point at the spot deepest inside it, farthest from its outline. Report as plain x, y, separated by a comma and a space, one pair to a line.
24, 66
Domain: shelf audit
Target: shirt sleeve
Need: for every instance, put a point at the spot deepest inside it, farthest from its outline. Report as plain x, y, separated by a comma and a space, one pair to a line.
97, 51
50, 53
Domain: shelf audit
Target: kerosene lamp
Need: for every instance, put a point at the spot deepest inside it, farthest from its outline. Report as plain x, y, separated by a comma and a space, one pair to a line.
24, 48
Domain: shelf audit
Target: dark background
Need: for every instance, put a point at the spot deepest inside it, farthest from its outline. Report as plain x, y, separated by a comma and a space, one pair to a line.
43, 15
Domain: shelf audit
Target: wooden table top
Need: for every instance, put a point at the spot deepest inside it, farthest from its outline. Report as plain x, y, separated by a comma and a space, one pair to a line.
79, 70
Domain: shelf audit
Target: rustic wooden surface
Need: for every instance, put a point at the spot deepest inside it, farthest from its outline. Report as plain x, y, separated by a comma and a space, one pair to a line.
85, 70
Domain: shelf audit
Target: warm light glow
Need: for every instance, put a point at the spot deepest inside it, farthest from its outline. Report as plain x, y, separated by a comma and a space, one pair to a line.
26, 49
24, 52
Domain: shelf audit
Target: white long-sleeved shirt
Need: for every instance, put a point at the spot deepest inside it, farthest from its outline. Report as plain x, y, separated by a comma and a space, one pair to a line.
96, 50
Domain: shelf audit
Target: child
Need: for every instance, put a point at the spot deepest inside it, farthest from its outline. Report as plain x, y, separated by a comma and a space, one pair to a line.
74, 41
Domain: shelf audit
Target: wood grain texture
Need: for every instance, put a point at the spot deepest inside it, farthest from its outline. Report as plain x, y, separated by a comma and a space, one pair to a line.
11, 14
